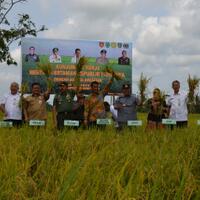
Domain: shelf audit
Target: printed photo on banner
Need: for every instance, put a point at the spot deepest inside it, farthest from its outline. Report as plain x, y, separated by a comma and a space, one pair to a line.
62, 58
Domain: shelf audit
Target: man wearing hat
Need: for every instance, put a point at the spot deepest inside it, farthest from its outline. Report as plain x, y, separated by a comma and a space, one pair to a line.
126, 106
102, 59
62, 105
55, 57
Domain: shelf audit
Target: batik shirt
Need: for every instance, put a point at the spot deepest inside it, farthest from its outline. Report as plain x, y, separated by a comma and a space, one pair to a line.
94, 107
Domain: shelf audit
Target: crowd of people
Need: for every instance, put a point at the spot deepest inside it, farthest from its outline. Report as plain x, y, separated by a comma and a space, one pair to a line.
74, 105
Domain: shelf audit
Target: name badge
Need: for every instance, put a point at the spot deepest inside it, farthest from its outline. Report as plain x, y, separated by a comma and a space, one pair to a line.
4, 124
169, 121
104, 121
71, 123
36, 123
134, 123
198, 122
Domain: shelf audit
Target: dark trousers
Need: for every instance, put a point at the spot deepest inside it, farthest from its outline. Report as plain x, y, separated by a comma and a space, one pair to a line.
121, 126
180, 124
61, 117
15, 122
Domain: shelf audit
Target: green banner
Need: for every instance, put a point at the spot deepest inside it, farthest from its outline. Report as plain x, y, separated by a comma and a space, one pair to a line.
62, 57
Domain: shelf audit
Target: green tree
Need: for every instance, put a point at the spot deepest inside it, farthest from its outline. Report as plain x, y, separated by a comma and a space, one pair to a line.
10, 33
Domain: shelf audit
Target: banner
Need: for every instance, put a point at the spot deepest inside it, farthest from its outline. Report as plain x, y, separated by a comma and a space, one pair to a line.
63, 55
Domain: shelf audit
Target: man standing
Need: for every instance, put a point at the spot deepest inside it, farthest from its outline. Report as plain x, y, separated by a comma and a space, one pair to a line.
11, 105
94, 104
177, 103
76, 57
32, 56
35, 105
62, 105
126, 106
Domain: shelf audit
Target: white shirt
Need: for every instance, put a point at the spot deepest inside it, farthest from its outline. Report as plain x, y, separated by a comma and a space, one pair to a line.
75, 60
113, 111
178, 104
12, 109
54, 59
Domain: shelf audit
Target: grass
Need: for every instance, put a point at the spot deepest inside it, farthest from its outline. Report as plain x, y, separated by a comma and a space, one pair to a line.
92, 164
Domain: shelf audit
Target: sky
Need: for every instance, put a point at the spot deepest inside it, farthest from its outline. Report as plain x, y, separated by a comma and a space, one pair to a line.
165, 34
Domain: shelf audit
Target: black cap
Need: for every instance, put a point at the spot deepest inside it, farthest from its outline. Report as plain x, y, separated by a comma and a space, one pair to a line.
126, 86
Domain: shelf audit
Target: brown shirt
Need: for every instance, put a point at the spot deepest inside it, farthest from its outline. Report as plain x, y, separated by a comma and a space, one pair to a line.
94, 107
35, 107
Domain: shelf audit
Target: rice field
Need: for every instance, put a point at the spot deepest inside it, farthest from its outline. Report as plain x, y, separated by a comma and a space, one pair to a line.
38, 163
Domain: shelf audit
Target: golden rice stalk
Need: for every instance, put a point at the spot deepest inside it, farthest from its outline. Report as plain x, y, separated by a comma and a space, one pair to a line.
109, 70
142, 86
143, 82
46, 68
79, 66
49, 83
193, 85
82, 61
23, 90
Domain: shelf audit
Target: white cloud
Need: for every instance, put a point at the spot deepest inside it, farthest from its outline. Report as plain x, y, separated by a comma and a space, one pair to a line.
162, 44
165, 34
183, 60
158, 35
63, 30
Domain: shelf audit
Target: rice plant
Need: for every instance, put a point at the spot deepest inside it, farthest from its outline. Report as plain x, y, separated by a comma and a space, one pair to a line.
41, 163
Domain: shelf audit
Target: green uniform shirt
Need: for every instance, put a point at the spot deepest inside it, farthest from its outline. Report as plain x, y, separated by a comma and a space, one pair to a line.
64, 102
